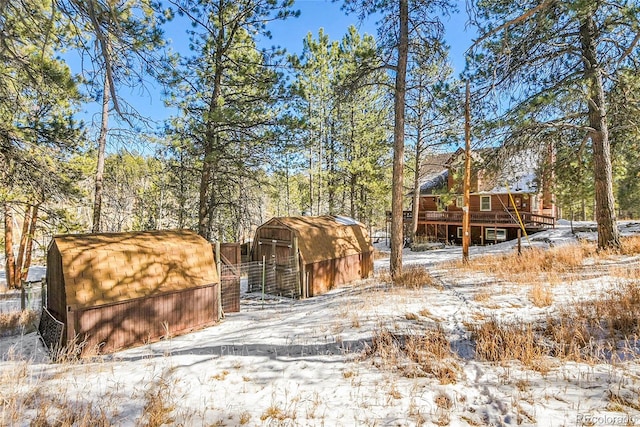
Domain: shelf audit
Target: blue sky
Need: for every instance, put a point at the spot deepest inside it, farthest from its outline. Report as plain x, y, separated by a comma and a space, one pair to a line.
315, 14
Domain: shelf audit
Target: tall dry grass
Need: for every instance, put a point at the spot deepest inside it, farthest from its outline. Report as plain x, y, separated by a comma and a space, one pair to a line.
529, 267
415, 354
630, 245
17, 319
412, 277
598, 329
502, 343
601, 330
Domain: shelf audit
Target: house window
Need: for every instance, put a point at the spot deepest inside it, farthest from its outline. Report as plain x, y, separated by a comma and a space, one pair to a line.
459, 201
485, 203
499, 234
459, 232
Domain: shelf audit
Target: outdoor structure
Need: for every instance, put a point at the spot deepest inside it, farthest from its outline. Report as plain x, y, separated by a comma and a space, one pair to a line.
307, 256
229, 263
512, 194
117, 290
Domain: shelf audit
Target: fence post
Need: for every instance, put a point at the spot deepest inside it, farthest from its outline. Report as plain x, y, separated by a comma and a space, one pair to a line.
23, 297
519, 242
219, 268
43, 291
264, 276
296, 265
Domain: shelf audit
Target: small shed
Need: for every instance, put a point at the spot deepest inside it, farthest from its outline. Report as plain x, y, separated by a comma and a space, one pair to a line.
118, 290
332, 250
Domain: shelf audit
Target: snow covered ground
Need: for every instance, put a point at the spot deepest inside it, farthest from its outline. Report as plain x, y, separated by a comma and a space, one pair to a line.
302, 362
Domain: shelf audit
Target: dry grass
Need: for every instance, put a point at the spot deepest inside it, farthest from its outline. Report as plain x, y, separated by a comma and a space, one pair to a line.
415, 354
274, 415
541, 295
531, 266
412, 277
630, 245
159, 404
245, 417
502, 343
482, 296
17, 319
591, 331
412, 316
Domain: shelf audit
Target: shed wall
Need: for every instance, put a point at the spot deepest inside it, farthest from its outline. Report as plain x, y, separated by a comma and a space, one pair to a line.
326, 275
130, 323
56, 295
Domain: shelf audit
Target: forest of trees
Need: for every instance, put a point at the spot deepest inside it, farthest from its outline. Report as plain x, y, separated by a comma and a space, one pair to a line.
340, 128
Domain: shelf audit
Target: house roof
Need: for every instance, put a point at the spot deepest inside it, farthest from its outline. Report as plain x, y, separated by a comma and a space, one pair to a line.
434, 172
515, 173
326, 237
107, 268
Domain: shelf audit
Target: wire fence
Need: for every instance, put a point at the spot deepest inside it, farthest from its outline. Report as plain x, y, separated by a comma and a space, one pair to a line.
30, 297
280, 278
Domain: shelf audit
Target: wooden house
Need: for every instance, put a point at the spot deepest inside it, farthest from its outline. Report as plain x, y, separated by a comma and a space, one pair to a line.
504, 197
331, 250
117, 290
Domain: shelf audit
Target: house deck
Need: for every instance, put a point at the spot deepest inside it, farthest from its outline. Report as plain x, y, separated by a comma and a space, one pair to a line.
482, 219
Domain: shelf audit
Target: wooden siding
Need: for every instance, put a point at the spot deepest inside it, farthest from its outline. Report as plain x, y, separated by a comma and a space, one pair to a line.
428, 203
56, 294
136, 322
326, 275
231, 258
499, 203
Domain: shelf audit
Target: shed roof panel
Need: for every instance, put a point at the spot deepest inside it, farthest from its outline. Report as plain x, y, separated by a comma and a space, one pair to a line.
106, 268
326, 237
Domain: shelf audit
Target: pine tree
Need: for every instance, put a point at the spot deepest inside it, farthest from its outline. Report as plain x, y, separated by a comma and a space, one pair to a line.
118, 39
37, 97
226, 93
405, 28
552, 64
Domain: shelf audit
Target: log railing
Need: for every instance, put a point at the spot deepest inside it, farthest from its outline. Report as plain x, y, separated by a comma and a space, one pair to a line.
505, 218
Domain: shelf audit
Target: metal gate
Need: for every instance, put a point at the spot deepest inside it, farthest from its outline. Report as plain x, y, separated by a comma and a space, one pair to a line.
275, 278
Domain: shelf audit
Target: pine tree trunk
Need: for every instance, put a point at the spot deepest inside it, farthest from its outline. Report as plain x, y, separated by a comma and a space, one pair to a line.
30, 236
205, 218
102, 144
10, 262
608, 234
17, 280
397, 189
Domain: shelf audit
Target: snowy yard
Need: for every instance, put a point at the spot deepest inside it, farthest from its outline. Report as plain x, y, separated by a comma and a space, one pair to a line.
322, 361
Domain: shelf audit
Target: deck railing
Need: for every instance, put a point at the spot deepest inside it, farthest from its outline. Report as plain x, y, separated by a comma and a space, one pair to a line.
506, 218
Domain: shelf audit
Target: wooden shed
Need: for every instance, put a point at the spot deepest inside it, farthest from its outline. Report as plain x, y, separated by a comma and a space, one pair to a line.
332, 250
118, 290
